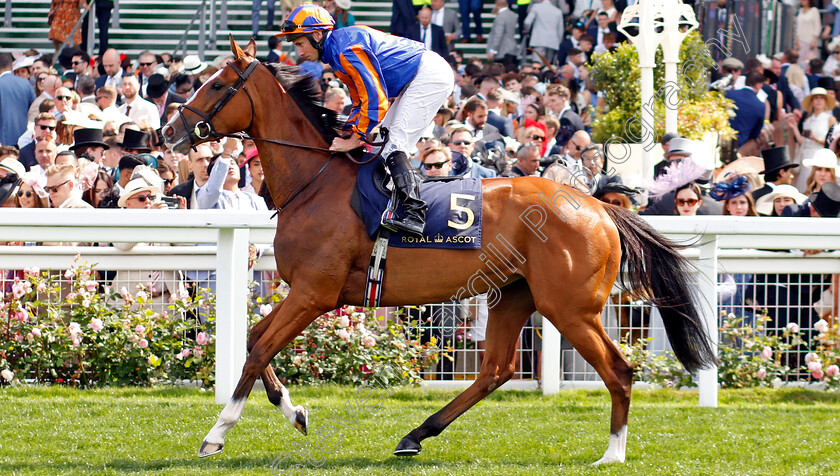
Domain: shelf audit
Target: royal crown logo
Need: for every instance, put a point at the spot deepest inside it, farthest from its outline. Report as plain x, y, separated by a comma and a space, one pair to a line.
438, 238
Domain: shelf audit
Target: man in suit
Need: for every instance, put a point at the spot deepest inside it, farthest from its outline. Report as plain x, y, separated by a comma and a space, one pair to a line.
823, 204
403, 17
446, 19
778, 170
61, 187
557, 103
199, 160
146, 64
44, 129
749, 113
528, 161
475, 118
501, 45
545, 22
16, 95
428, 33
113, 71
570, 42
158, 93
494, 116
601, 27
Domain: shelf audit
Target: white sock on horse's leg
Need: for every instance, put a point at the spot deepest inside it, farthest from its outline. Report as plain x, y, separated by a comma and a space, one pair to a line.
617, 448
227, 419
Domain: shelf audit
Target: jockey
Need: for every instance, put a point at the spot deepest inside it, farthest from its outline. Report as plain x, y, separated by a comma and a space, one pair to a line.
377, 67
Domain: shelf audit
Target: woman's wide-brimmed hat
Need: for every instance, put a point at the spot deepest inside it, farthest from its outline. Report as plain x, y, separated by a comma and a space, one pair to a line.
829, 101
823, 158
764, 205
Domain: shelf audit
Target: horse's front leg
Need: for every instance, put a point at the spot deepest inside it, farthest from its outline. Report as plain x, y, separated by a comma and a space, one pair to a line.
297, 312
277, 393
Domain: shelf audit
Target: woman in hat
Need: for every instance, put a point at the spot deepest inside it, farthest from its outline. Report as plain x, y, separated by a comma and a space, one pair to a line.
31, 193
823, 166
774, 203
341, 13
732, 191
814, 129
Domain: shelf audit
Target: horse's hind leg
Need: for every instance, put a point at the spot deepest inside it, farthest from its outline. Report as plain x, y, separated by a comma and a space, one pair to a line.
505, 321
277, 393
592, 342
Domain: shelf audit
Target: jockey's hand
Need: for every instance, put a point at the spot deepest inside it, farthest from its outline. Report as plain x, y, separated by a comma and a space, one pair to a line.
345, 145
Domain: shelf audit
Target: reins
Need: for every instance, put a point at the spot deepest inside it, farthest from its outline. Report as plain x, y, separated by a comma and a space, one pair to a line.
204, 129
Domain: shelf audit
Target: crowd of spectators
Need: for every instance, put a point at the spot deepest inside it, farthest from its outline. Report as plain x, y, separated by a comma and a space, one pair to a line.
83, 132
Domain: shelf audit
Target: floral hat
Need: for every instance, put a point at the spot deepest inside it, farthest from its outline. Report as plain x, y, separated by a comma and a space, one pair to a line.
732, 186
676, 175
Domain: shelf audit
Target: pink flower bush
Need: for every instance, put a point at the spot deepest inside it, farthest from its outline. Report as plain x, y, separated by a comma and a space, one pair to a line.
77, 341
815, 365
793, 327
141, 295
96, 324
74, 328
762, 373
368, 341
18, 337
198, 353
71, 296
810, 357
766, 353
832, 370
90, 286
36, 331
818, 374
140, 329
265, 309
344, 335
70, 274
343, 321
821, 326
201, 338
7, 375
143, 343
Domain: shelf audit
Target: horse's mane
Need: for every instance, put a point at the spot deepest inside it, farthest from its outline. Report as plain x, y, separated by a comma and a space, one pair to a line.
306, 92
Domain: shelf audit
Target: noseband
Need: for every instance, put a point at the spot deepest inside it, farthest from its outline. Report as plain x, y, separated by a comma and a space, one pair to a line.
204, 129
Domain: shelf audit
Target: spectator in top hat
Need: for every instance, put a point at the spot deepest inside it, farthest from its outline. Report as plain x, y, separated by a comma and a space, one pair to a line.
88, 143
135, 142
824, 204
157, 91
778, 170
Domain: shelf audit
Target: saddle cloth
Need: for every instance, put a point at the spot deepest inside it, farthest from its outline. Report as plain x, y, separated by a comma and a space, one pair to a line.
453, 220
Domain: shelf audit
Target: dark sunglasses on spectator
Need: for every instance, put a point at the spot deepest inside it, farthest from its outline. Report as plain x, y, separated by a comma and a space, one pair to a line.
44, 128
54, 188
615, 202
460, 142
41, 79
143, 198
75, 63
690, 202
436, 165
168, 181
146, 64
537, 137
26, 194
64, 98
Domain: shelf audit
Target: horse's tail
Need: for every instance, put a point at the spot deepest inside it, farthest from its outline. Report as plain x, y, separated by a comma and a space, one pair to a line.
652, 267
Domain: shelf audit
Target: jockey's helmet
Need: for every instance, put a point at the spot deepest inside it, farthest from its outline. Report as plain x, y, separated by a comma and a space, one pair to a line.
306, 19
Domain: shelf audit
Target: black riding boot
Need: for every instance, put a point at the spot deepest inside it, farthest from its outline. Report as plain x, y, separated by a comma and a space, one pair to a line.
408, 194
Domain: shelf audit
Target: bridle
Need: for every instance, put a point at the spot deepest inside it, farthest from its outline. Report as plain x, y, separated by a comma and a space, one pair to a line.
204, 128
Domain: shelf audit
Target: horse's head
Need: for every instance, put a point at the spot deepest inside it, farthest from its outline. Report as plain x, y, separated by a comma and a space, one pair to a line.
222, 105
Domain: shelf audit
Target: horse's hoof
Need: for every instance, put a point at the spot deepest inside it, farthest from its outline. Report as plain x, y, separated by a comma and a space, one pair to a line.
607, 460
408, 447
208, 449
302, 419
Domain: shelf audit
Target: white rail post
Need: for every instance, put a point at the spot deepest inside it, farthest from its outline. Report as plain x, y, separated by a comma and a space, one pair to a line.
231, 309
707, 379
550, 372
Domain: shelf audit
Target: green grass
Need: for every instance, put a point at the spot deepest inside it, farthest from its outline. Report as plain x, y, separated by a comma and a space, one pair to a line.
55, 431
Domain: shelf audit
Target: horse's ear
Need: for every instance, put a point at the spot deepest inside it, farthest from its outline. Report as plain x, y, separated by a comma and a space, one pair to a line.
236, 50
251, 49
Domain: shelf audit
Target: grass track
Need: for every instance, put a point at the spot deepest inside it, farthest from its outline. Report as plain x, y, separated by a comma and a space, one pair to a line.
52, 431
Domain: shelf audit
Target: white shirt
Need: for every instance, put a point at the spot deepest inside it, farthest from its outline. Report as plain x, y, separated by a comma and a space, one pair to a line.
437, 17
141, 110
115, 81
426, 36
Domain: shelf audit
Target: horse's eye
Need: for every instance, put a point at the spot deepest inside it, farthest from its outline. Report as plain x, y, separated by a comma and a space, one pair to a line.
217, 85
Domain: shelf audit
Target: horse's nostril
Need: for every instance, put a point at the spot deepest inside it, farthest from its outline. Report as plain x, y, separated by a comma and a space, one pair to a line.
166, 132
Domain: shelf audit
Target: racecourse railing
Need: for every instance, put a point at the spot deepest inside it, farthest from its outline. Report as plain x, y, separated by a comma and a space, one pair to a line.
729, 245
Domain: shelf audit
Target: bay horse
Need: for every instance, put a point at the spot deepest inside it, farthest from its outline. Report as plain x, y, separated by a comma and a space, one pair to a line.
561, 257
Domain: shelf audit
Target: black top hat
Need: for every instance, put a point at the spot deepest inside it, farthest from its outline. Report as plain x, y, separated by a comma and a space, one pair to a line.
87, 138
8, 186
827, 200
826, 82
776, 159
157, 86
135, 140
